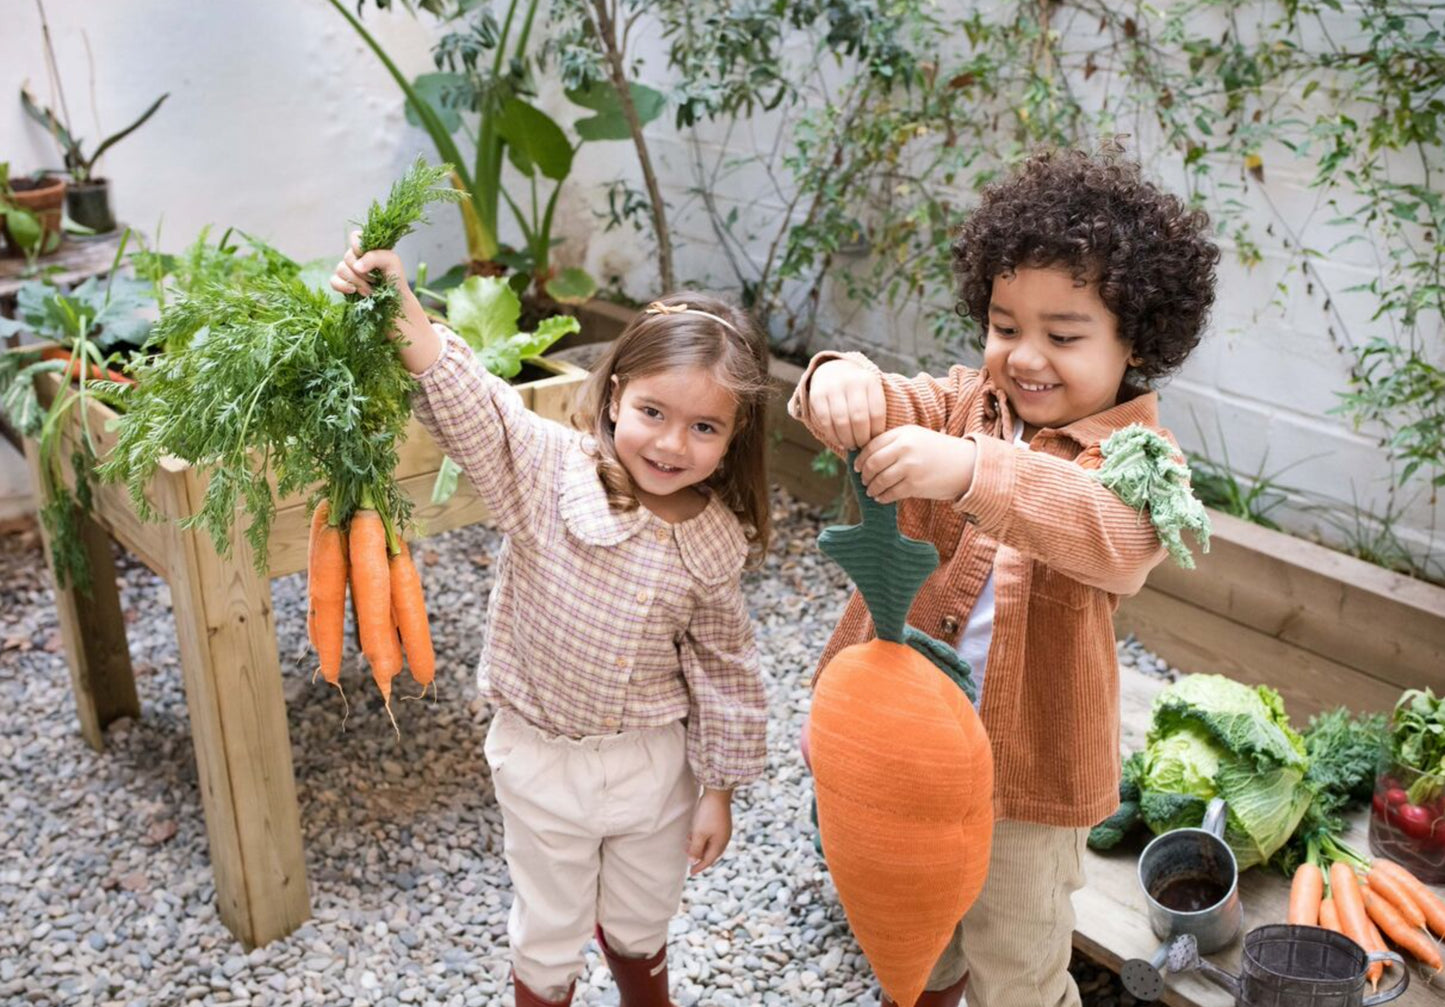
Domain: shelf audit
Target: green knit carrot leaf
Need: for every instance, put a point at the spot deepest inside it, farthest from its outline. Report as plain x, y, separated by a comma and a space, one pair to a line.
1143, 469
946, 658
889, 568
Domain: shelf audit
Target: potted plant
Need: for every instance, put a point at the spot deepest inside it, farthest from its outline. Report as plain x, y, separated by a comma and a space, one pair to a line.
30, 213
87, 199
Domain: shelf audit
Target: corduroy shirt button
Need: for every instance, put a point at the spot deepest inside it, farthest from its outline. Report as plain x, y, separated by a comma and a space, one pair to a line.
950, 625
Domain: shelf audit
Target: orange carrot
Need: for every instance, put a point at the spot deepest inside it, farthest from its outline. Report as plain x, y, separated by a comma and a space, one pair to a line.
1353, 919
1427, 900
371, 590
408, 608
326, 608
1394, 893
1329, 917
1393, 925
1304, 895
318, 519
1377, 939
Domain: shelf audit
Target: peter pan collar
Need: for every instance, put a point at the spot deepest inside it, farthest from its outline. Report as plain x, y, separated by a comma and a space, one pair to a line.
712, 545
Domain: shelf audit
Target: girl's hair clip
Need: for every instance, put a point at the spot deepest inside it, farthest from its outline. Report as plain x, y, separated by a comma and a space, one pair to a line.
658, 308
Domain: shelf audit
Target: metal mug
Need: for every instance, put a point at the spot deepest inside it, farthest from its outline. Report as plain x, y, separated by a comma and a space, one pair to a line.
1190, 881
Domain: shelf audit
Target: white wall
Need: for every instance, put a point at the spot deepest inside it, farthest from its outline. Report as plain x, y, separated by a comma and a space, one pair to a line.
281, 122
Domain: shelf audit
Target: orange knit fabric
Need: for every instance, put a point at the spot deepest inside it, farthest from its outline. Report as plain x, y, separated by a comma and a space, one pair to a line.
1063, 549
904, 782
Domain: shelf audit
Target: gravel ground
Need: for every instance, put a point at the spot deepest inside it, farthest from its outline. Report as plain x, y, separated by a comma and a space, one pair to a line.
107, 895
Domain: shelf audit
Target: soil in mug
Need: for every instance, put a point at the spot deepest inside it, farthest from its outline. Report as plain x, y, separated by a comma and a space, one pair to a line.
1189, 894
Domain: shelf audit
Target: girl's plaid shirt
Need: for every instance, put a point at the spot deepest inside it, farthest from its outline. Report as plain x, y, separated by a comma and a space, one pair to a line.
600, 620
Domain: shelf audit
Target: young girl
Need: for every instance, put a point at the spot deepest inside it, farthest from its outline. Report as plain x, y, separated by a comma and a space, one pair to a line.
619, 656
1088, 281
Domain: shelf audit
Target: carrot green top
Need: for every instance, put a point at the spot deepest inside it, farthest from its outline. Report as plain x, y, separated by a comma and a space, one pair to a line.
889, 568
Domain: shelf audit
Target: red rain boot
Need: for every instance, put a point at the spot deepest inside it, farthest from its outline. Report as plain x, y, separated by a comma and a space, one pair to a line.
938, 998
526, 998
641, 981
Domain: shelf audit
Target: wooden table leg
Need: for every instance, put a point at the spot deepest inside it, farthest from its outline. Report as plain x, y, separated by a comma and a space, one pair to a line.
238, 722
92, 628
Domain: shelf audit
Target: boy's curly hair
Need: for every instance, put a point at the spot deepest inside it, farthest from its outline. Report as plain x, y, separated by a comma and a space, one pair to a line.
1096, 216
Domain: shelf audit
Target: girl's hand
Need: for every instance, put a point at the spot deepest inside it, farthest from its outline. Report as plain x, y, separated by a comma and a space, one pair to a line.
354, 268
712, 827
846, 403
420, 345
914, 461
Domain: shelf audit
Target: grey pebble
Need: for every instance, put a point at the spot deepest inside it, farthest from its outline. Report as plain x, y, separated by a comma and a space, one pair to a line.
403, 839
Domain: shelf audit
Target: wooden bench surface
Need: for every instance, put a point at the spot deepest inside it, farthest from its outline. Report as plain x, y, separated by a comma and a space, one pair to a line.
1112, 925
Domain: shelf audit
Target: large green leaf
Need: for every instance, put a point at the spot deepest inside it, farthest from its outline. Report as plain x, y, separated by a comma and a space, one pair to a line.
610, 123
24, 226
430, 87
534, 141
483, 311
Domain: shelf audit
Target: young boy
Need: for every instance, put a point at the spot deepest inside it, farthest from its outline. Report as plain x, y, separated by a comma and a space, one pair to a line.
1089, 282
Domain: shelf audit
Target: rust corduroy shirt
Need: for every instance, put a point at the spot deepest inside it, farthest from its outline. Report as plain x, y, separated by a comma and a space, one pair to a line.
1063, 550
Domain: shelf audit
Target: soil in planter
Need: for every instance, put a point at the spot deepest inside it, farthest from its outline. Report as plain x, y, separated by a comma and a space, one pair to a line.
531, 372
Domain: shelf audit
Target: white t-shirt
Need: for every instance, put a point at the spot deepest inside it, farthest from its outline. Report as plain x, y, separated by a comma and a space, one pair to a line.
978, 632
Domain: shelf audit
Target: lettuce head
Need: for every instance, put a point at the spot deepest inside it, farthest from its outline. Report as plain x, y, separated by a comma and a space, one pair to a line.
1213, 737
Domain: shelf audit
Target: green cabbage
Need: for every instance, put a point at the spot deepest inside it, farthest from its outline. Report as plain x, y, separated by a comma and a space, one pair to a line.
1213, 737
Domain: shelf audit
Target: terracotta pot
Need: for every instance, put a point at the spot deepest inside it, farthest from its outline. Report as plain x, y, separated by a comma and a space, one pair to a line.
44, 198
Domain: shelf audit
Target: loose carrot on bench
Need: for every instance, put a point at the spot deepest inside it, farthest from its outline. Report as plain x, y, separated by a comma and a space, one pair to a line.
1395, 893
1427, 900
1304, 895
1353, 920
1393, 926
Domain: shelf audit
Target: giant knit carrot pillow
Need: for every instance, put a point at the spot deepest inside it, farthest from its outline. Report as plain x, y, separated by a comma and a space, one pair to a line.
902, 767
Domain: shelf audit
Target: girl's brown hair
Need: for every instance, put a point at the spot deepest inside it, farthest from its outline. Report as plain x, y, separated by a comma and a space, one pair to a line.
730, 347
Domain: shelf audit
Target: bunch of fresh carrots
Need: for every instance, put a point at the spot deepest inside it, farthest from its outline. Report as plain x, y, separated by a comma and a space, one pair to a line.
386, 589
278, 384
1369, 901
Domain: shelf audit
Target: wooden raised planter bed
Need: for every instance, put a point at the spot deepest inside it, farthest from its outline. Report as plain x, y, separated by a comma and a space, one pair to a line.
1321, 627
227, 641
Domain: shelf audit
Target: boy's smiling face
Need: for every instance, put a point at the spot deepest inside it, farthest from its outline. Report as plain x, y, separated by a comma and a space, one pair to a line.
1053, 348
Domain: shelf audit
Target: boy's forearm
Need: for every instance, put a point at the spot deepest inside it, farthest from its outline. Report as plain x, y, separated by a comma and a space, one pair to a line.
418, 342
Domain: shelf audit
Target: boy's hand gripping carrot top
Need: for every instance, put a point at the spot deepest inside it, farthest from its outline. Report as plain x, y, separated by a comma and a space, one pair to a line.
902, 766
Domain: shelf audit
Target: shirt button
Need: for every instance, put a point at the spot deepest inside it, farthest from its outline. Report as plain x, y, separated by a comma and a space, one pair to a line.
611, 723
663, 534
624, 662
950, 625
644, 596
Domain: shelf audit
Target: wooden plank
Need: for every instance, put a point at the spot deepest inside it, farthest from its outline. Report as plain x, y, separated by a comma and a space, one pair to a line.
76, 259
111, 505
1337, 606
791, 466
238, 724
92, 628
557, 398
1112, 923
1195, 640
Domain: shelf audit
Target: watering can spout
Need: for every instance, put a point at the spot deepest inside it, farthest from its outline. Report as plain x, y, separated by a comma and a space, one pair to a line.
1184, 957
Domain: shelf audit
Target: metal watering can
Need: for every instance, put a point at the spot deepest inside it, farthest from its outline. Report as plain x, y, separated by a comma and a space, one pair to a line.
1294, 966
1190, 881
